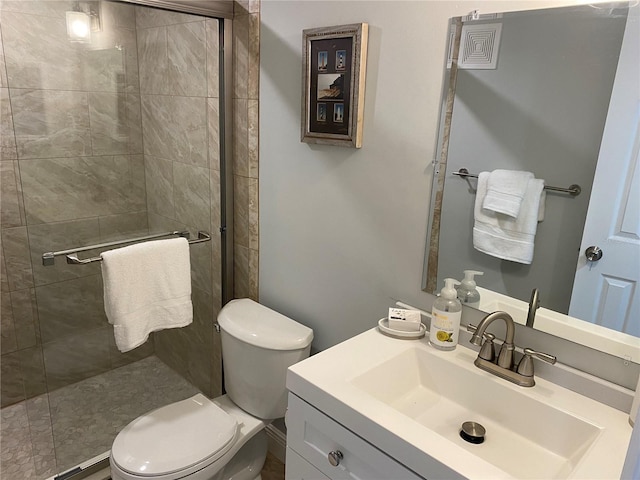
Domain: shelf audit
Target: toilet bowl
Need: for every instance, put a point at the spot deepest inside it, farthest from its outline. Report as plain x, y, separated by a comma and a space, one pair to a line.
220, 439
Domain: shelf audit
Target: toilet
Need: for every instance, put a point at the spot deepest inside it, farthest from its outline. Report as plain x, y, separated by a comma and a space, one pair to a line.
223, 438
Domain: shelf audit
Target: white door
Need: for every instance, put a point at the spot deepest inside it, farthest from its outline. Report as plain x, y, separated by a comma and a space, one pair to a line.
607, 291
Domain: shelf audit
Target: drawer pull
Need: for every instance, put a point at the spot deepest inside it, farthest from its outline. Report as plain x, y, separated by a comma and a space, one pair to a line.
334, 457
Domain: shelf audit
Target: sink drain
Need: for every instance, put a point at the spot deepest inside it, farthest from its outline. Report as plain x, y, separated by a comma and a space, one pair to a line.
472, 432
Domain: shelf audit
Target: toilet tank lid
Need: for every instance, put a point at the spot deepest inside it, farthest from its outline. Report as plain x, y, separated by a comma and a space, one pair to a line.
258, 325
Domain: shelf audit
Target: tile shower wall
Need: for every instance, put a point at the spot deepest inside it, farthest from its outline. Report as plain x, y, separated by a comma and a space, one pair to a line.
178, 70
246, 74
72, 173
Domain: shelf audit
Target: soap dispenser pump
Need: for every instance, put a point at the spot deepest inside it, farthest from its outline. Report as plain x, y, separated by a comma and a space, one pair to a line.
468, 293
445, 317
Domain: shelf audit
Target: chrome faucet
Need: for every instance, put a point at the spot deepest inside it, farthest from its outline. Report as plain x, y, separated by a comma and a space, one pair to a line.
503, 366
534, 304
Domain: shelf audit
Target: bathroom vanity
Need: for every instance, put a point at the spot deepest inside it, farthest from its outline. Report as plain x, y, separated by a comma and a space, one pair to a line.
376, 407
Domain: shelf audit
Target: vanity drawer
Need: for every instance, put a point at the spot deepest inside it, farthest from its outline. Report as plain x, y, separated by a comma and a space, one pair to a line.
313, 435
297, 468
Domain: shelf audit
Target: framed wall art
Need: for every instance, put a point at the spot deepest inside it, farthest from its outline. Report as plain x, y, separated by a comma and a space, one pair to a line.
335, 61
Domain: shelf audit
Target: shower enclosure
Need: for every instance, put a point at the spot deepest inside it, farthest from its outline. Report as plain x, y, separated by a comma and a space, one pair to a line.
113, 126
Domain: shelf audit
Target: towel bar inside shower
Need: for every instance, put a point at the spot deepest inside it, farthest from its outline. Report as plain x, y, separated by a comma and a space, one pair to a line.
48, 258
573, 190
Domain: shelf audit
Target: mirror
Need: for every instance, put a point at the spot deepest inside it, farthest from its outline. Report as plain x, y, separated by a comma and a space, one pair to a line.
553, 92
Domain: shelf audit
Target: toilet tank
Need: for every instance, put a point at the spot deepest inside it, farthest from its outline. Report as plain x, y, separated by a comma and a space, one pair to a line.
258, 345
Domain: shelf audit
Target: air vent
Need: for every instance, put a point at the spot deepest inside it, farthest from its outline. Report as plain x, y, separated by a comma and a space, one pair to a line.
479, 46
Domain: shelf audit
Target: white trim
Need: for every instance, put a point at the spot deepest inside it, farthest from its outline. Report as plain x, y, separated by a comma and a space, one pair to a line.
277, 442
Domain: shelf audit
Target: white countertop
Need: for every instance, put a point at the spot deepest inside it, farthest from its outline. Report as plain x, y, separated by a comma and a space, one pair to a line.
325, 381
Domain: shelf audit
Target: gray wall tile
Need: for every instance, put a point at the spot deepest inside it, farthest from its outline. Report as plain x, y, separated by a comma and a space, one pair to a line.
191, 195
175, 128
4, 279
111, 65
71, 307
3, 69
76, 357
117, 15
7, 136
38, 53
123, 226
45, 8
115, 123
32, 365
17, 258
8, 341
60, 189
150, 17
241, 210
213, 127
11, 381
25, 315
50, 123
11, 205
153, 60
187, 59
240, 137
159, 185
240, 56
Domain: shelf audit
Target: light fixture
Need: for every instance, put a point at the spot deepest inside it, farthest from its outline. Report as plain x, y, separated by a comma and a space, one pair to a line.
78, 26
82, 20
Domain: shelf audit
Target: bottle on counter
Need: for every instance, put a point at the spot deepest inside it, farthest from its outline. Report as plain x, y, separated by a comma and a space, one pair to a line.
445, 317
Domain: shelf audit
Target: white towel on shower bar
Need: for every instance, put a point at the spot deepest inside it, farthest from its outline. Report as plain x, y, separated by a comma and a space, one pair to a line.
147, 287
505, 191
503, 236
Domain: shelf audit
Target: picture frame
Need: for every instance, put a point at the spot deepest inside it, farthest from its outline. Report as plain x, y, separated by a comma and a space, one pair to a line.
333, 84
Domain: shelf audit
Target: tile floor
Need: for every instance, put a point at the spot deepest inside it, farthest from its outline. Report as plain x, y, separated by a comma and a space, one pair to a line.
52, 433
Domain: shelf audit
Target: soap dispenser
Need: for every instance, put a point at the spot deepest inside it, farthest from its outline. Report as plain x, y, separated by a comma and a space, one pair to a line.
467, 293
445, 317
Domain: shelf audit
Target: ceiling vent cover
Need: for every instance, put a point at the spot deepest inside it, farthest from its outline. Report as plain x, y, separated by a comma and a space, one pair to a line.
479, 46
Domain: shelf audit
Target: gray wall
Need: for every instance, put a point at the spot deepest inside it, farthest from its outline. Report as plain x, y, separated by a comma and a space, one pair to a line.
542, 110
342, 231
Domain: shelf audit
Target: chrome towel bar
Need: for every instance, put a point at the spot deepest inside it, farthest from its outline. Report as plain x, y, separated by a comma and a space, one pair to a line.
48, 258
572, 189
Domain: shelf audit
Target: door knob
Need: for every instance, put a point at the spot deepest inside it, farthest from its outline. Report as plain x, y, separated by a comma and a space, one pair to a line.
593, 254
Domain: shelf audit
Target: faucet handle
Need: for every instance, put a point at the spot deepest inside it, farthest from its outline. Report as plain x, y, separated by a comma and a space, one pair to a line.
525, 367
488, 351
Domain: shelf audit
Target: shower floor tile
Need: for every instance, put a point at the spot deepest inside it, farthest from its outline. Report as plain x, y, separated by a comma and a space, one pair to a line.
86, 416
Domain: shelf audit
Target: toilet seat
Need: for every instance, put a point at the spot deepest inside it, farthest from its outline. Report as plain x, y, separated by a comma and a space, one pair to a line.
174, 438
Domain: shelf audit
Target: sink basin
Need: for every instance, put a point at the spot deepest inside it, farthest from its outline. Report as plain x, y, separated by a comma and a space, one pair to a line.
524, 437
410, 400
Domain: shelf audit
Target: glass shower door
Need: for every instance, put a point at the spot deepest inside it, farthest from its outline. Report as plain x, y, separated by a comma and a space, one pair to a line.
109, 131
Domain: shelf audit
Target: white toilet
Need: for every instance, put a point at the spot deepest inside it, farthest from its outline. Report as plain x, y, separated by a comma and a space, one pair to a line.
223, 438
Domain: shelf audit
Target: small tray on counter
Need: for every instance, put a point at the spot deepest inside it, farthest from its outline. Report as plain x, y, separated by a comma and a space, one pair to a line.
383, 326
